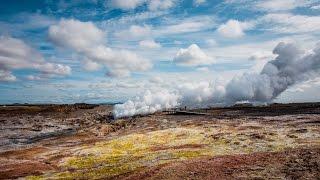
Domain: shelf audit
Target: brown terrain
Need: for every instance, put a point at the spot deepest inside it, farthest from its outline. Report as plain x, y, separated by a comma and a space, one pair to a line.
279, 141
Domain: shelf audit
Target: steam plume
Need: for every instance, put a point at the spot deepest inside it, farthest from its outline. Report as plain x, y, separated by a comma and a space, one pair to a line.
292, 65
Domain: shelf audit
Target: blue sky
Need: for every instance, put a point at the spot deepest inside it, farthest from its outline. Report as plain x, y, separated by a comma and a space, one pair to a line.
58, 51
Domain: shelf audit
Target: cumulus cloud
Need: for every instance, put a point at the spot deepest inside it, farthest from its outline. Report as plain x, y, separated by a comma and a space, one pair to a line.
87, 40
234, 28
192, 56
291, 66
76, 34
15, 54
150, 44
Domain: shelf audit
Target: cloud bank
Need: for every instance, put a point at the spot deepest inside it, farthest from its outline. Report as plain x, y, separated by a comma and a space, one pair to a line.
291, 66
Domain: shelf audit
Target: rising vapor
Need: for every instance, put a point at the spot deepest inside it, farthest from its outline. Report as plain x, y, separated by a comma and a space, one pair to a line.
292, 65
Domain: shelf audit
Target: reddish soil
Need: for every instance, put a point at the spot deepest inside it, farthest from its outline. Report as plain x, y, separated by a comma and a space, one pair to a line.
22, 169
290, 164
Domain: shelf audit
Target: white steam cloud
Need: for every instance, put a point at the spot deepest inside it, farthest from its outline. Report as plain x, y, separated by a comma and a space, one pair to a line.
291, 65
148, 103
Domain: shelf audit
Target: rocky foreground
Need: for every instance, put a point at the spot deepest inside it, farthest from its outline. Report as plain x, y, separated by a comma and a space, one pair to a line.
84, 142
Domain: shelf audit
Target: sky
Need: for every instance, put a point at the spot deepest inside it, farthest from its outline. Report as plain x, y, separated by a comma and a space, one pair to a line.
102, 51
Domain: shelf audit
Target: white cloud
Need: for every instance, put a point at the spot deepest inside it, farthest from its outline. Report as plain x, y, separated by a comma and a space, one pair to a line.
53, 69
153, 5
177, 42
156, 80
198, 2
124, 34
260, 59
135, 32
124, 4
271, 5
203, 69
234, 28
187, 25
192, 56
290, 23
34, 78
160, 4
261, 55
283, 5
150, 44
6, 76
15, 54
133, 18
211, 42
127, 85
24, 22
86, 39
240, 52
89, 65
317, 7
76, 34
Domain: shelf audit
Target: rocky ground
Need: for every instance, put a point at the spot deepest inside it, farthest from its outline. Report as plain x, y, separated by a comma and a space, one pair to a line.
84, 142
